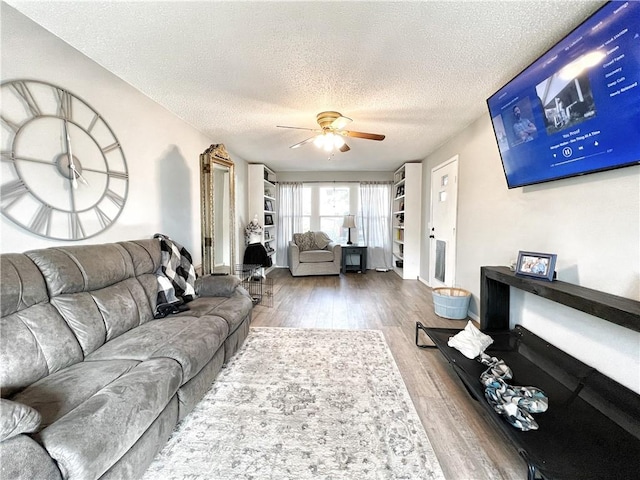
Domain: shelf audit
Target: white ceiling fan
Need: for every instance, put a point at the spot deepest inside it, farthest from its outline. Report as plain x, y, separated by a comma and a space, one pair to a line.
331, 133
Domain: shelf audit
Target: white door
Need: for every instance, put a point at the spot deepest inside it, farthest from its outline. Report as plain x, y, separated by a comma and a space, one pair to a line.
442, 228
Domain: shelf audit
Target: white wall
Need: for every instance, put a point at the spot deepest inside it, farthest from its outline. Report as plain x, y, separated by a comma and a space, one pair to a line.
591, 222
162, 151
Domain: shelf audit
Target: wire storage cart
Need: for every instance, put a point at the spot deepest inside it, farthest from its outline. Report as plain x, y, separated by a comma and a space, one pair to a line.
260, 287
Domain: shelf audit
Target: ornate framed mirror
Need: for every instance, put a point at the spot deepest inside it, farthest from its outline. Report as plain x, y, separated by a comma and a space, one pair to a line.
217, 200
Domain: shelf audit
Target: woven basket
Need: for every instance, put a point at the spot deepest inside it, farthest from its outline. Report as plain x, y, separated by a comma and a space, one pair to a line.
451, 302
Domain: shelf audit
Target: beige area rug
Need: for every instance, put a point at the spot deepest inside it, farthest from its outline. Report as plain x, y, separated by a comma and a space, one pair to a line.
303, 404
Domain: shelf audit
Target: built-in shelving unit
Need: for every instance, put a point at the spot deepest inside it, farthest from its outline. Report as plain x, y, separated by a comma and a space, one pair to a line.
262, 202
407, 182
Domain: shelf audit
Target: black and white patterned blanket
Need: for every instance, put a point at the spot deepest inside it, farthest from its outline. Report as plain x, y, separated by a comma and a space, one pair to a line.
176, 277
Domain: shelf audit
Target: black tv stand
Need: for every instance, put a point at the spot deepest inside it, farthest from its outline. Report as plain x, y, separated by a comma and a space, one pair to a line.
495, 295
592, 428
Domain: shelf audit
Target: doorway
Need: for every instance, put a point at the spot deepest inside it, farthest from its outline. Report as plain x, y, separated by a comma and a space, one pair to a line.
444, 217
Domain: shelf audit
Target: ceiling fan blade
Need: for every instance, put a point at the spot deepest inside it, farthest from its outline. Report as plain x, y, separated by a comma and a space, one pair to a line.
299, 128
368, 136
340, 122
299, 144
344, 148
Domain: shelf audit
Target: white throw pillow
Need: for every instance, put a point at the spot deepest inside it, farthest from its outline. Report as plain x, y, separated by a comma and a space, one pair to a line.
322, 240
471, 342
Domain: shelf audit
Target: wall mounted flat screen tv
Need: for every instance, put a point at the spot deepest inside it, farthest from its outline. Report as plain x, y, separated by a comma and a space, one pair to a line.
576, 109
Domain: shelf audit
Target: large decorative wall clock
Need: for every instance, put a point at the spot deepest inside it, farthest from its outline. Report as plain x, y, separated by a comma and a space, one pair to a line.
64, 175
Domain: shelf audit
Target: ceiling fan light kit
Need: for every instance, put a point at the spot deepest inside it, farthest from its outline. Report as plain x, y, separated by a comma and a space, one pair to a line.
332, 120
331, 135
328, 141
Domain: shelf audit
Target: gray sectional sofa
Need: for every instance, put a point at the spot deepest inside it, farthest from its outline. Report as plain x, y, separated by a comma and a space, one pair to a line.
92, 385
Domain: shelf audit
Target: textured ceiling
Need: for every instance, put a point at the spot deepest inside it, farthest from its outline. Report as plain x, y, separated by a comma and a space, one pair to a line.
418, 72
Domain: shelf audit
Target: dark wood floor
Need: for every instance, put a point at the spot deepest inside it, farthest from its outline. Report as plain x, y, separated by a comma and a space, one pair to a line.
468, 446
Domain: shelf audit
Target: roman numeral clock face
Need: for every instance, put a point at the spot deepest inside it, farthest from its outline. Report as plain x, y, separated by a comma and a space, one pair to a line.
64, 175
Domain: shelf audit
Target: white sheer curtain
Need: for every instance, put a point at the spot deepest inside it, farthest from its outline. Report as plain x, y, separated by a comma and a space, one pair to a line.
289, 204
375, 222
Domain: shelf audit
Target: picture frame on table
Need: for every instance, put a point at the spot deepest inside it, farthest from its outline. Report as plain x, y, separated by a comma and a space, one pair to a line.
267, 235
268, 219
536, 265
268, 205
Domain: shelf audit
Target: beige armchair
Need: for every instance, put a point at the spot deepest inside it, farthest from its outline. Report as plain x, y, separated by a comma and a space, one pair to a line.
313, 253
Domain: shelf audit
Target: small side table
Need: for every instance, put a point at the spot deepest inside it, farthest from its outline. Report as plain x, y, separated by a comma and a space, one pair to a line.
348, 251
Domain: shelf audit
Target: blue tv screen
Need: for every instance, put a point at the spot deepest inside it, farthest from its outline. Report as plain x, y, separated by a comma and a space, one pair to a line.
576, 109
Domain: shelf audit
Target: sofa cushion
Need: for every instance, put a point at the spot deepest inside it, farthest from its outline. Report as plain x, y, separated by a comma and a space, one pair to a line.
316, 256
16, 418
233, 309
188, 340
106, 272
34, 343
305, 241
89, 439
145, 255
21, 284
216, 285
81, 313
82, 268
133, 464
34, 339
58, 394
122, 306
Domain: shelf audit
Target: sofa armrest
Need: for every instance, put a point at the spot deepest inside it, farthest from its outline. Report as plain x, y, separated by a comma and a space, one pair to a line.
17, 418
216, 285
25, 459
336, 248
20, 456
294, 255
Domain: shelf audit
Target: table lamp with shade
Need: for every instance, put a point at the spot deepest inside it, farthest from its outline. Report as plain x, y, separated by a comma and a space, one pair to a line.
349, 223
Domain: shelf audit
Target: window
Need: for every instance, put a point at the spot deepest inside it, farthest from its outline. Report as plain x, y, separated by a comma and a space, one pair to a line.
306, 209
334, 205
324, 206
